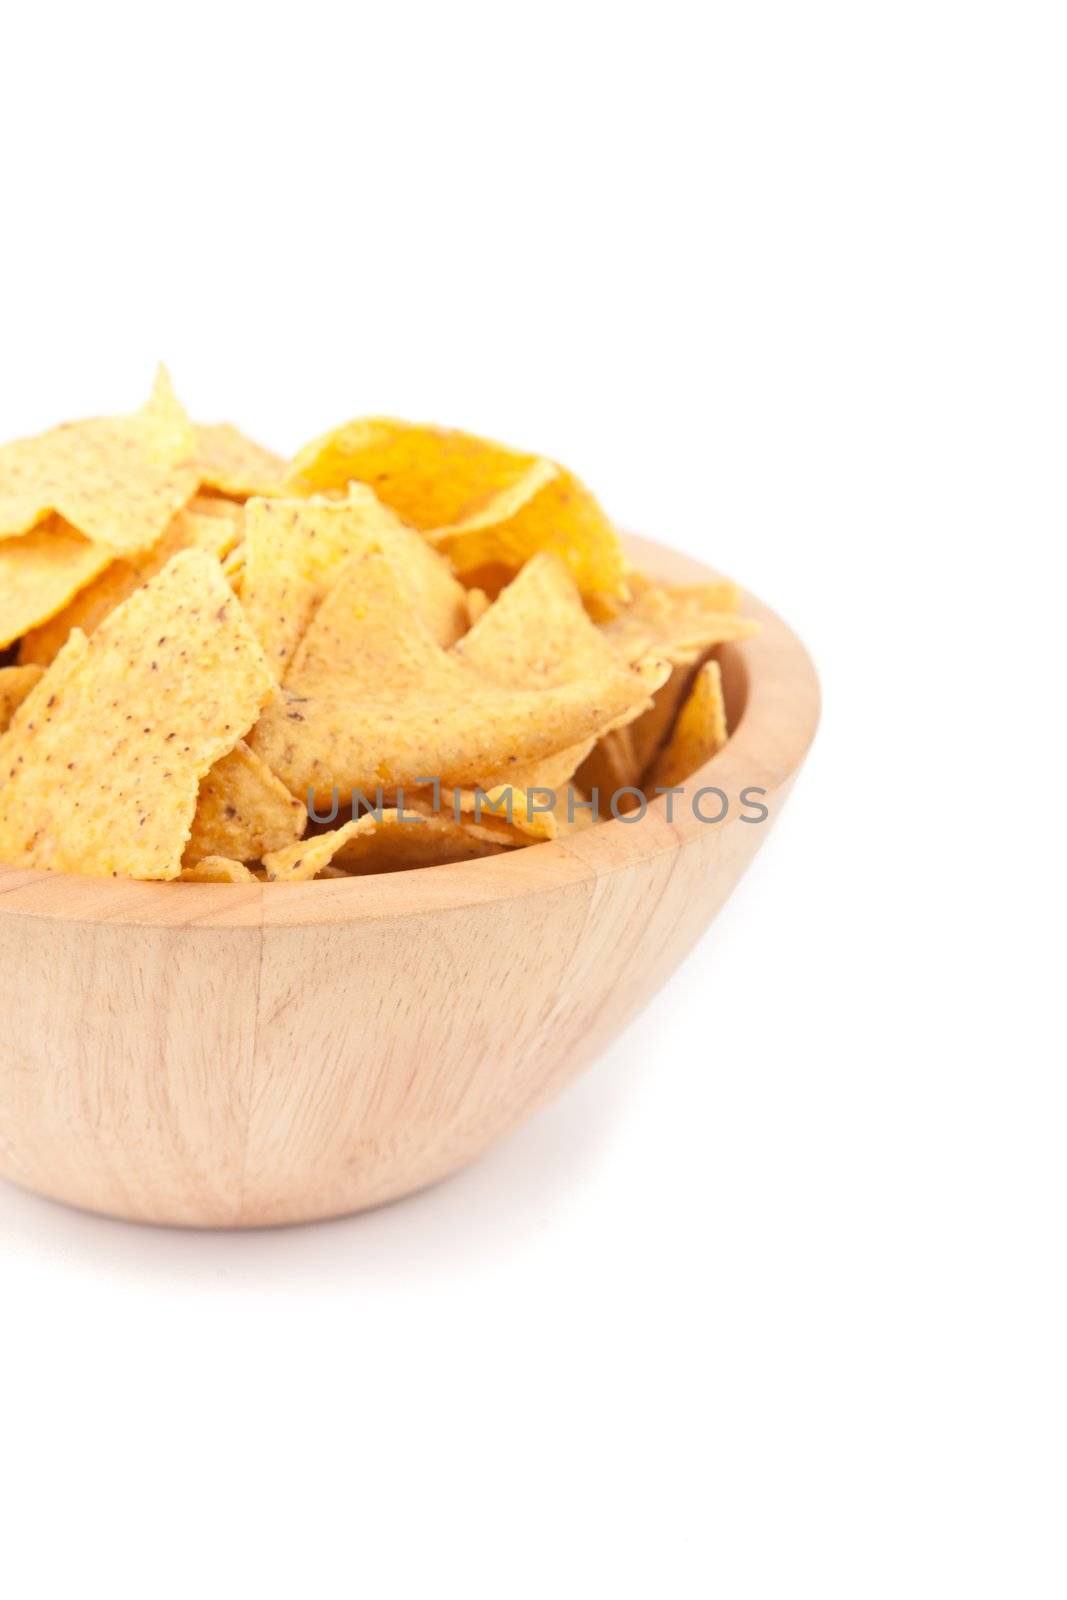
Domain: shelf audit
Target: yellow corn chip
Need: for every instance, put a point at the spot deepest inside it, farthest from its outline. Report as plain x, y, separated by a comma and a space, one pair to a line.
217, 869
680, 624
235, 465
40, 572
396, 841
294, 550
538, 631
100, 768
622, 757
429, 476
481, 501
243, 811
648, 733
299, 863
15, 685
373, 699
549, 509
553, 775
117, 480
189, 530
699, 733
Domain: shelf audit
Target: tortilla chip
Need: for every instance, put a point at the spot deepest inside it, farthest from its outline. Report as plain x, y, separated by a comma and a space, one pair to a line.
395, 842
526, 813
622, 757
40, 572
243, 811
699, 733
234, 465
372, 698
548, 510
429, 476
294, 550
649, 732
538, 631
189, 530
554, 774
117, 480
100, 768
217, 869
681, 624
15, 685
482, 502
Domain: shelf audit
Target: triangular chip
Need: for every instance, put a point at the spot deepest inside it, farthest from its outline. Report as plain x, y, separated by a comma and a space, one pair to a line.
243, 811
699, 733
681, 624
537, 631
40, 572
234, 465
100, 768
189, 530
15, 685
294, 550
371, 698
117, 480
482, 502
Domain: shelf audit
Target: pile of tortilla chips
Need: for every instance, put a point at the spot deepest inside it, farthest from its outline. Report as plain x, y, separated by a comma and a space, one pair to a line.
406, 647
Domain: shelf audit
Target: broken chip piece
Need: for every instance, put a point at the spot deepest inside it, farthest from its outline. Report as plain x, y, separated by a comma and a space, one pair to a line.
393, 841
243, 811
217, 869
679, 623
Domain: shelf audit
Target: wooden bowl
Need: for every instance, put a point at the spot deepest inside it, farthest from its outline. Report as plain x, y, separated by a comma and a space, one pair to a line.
243, 1055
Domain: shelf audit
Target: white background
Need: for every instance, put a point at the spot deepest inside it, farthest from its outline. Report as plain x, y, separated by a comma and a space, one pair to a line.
771, 1304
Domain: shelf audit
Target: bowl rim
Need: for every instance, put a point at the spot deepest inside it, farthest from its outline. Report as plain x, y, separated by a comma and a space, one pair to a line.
767, 746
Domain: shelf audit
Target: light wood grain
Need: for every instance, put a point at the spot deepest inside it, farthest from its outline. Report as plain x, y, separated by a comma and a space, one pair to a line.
242, 1055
